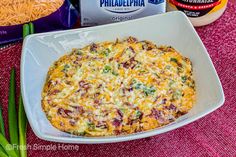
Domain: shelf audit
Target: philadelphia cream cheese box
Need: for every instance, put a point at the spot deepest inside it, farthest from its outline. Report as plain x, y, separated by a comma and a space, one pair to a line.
97, 12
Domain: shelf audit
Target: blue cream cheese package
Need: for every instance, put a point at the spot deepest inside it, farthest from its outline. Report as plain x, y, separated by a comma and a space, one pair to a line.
97, 12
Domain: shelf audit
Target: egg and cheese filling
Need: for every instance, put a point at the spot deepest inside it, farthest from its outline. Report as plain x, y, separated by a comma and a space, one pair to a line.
117, 88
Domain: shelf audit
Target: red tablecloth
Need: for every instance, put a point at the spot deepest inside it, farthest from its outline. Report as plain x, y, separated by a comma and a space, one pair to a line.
213, 135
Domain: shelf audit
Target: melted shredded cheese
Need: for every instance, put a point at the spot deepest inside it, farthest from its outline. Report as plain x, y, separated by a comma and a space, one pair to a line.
121, 87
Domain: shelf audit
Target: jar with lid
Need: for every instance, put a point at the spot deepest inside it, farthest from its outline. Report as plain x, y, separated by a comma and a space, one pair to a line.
200, 12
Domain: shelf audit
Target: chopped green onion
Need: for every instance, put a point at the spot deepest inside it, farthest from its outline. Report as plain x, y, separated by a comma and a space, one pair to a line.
149, 91
174, 60
106, 69
91, 126
114, 73
22, 122
138, 86
79, 52
184, 79
12, 114
138, 113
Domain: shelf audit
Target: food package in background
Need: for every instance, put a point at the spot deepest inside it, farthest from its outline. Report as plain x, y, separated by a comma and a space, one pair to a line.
97, 12
47, 15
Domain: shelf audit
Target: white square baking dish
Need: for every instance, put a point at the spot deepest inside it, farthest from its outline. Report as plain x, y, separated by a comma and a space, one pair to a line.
174, 28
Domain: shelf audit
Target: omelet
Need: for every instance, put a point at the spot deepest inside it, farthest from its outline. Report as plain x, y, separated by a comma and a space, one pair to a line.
118, 88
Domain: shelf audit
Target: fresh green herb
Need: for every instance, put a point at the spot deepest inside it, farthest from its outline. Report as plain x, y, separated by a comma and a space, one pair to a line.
191, 84
106, 69
118, 66
115, 73
149, 91
2, 128
65, 68
7, 147
106, 52
79, 52
12, 114
138, 86
179, 70
142, 71
174, 60
184, 79
22, 122
134, 81
138, 113
91, 125
176, 95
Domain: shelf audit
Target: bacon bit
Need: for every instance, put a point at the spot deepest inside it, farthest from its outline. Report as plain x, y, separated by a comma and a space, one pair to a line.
130, 89
116, 122
72, 122
78, 91
97, 101
100, 85
163, 101
49, 83
117, 41
141, 115
96, 94
120, 113
49, 102
180, 113
55, 92
125, 65
64, 113
117, 132
127, 104
111, 59
156, 99
179, 64
147, 45
62, 124
131, 40
130, 63
68, 82
172, 107
79, 109
79, 58
132, 49
93, 47
123, 90
102, 125
155, 113
84, 85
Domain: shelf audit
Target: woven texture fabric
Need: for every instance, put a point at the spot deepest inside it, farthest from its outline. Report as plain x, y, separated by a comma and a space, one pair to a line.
214, 135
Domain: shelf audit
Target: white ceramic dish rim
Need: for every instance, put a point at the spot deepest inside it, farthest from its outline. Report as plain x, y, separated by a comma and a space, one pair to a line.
112, 139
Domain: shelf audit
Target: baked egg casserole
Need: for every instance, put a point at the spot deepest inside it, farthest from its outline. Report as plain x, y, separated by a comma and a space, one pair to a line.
118, 88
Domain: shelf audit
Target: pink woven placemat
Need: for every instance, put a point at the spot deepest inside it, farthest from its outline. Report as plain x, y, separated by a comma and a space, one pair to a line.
213, 135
